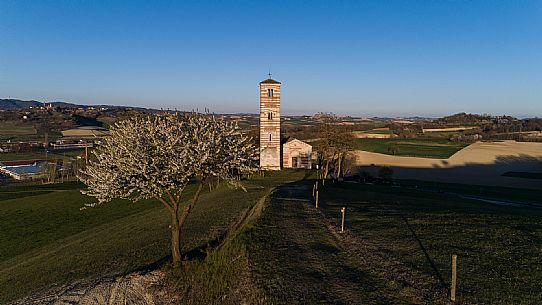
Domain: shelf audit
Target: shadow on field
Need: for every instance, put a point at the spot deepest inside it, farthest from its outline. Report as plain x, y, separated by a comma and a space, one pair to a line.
472, 173
154, 265
198, 253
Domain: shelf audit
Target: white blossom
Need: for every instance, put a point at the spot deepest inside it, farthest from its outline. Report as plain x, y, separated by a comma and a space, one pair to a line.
146, 156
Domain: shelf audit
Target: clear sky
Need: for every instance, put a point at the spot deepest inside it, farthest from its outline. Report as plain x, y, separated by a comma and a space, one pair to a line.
363, 58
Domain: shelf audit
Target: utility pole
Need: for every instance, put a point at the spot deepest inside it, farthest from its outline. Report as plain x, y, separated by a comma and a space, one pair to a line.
46, 145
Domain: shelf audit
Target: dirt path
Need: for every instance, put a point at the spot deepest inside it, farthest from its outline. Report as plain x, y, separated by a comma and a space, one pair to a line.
298, 258
132, 289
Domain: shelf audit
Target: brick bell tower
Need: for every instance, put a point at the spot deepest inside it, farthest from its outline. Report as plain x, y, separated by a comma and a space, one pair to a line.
270, 124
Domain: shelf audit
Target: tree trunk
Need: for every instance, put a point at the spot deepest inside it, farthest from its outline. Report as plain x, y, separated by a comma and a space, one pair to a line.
326, 169
188, 208
339, 165
175, 239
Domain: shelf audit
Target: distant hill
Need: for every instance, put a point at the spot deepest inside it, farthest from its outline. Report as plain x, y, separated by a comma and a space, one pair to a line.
465, 119
18, 104
12, 104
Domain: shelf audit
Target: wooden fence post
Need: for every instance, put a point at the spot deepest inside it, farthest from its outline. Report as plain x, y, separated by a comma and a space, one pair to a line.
454, 278
316, 198
343, 210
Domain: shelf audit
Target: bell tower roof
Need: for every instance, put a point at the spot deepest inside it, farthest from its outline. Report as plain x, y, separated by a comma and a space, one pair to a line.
269, 81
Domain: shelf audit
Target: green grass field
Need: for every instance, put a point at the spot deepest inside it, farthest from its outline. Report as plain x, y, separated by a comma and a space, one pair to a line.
372, 131
499, 248
397, 249
47, 240
398, 238
60, 154
494, 192
15, 130
426, 148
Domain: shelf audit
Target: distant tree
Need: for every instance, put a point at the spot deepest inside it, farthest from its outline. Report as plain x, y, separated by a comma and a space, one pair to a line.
335, 142
50, 171
158, 156
406, 130
349, 164
385, 172
393, 150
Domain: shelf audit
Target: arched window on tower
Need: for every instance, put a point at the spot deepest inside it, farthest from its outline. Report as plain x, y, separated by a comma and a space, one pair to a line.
270, 115
269, 137
270, 92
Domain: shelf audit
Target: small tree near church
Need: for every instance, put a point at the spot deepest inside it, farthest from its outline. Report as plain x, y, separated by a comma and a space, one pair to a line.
158, 156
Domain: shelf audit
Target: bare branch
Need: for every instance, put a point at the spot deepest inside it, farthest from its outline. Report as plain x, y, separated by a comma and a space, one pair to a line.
169, 207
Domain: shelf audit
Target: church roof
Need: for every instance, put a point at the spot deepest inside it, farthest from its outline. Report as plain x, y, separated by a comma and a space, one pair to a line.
291, 139
269, 81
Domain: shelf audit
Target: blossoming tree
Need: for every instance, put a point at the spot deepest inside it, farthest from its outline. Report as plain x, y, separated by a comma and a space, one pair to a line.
157, 156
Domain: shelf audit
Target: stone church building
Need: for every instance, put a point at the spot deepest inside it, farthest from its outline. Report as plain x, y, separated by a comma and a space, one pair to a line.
275, 152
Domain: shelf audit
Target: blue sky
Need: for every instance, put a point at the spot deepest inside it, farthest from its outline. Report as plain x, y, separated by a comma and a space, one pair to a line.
363, 58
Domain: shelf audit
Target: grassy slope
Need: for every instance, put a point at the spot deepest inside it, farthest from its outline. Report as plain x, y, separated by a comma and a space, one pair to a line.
290, 251
428, 148
293, 255
46, 240
499, 248
226, 276
297, 258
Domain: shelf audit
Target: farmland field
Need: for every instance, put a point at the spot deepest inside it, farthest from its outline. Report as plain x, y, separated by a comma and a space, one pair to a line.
426, 148
450, 129
22, 156
12, 129
378, 131
15, 131
480, 163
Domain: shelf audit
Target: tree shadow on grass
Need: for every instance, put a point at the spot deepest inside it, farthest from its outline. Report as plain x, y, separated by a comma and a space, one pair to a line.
424, 250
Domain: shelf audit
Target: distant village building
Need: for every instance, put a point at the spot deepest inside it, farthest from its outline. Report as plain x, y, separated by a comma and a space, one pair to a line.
294, 153
26, 170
